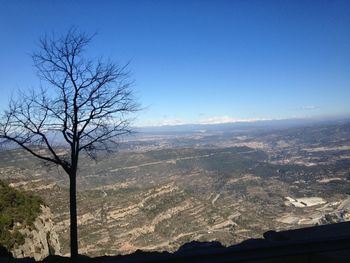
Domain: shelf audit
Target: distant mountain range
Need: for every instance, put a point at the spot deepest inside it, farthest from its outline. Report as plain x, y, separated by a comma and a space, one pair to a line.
260, 124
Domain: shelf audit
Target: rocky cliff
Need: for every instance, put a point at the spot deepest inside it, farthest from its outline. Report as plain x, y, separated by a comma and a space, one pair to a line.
40, 240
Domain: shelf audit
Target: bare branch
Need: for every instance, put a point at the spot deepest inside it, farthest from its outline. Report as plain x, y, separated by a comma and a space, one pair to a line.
85, 105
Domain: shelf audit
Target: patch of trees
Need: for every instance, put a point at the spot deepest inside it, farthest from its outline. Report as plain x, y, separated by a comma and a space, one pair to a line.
16, 209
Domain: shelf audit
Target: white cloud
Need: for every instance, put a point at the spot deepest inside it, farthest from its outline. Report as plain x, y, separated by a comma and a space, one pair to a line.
209, 120
309, 107
226, 119
164, 122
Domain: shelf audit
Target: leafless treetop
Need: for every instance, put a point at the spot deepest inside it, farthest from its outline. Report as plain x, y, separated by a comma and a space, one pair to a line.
84, 103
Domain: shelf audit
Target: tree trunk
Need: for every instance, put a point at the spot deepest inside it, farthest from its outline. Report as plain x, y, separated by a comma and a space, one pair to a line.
73, 216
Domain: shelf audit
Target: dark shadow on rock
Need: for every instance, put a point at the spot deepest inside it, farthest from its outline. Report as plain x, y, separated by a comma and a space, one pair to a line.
60, 259
196, 245
275, 236
4, 253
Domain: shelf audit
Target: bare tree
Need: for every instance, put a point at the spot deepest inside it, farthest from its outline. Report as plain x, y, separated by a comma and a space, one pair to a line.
84, 107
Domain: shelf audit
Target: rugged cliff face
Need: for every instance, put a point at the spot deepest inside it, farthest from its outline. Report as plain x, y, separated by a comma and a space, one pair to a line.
40, 240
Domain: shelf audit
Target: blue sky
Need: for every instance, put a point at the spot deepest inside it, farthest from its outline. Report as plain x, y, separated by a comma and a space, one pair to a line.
200, 61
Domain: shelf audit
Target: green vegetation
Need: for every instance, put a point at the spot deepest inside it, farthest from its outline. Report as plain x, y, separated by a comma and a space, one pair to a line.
16, 208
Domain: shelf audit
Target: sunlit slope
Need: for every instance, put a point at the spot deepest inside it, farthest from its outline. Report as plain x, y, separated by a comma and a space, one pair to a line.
217, 188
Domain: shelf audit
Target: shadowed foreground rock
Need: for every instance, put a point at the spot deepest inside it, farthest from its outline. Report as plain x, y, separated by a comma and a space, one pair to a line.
328, 243
4, 253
